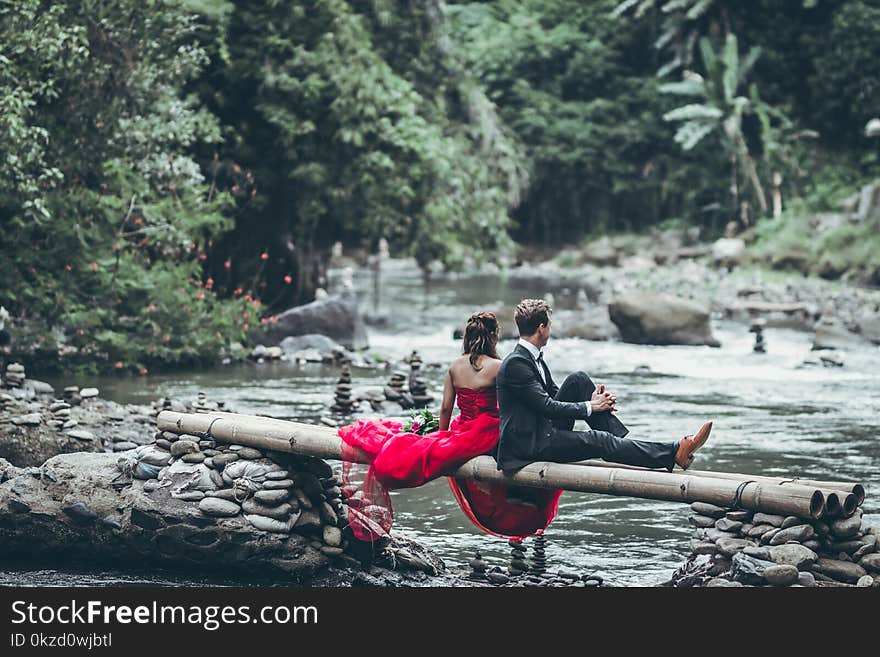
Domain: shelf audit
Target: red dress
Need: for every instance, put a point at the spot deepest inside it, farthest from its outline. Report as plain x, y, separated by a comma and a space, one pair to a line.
401, 459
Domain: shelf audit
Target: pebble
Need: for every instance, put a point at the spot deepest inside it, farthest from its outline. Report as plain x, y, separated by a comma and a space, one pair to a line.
846, 527
164, 444
497, 578
812, 544
272, 497
731, 546
170, 436
871, 563
29, 420
206, 444
793, 554
865, 582
805, 578
727, 525
768, 519
88, 393
194, 457
70, 424
58, 406
328, 515
331, 551
111, 522
222, 460
797, 533
740, 516
842, 571
308, 520
761, 553
790, 521
223, 494
278, 474
216, 479
781, 575
80, 512
190, 496
182, 447
252, 507
592, 582
704, 548
215, 506
705, 509
209, 462
250, 453
766, 538
759, 530
701, 521
268, 524
150, 485
332, 536
210, 452
124, 446
155, 456
277, 484
849, 547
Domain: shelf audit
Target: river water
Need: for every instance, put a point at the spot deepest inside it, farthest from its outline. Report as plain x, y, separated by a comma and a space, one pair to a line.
771, 417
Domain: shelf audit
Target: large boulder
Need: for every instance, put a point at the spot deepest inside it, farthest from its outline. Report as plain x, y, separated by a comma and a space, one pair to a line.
588, 325
869, 326
649, 318
335, 316
728, 251
832, 334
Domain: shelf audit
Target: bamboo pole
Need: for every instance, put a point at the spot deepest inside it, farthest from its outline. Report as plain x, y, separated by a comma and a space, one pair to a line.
842, 488
323, 442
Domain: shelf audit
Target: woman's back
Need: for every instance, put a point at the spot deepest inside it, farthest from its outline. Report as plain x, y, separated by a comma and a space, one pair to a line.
464, 375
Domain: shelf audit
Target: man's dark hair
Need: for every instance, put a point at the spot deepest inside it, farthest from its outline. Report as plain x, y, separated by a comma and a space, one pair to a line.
530, 314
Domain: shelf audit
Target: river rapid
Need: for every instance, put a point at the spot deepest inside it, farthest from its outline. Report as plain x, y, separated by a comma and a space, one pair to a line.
772, 417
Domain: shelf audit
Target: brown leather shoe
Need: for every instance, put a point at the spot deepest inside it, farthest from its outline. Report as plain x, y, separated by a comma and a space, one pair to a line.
690, 444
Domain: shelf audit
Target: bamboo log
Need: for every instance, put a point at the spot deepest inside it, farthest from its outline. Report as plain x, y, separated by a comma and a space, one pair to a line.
842, 488
323, 442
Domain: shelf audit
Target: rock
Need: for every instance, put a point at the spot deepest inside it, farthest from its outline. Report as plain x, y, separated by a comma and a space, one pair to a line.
295, 344
813, 545
182, 447
728, 251
150, 485
716, 535
39, 387
189, 496
798, 533
253, 507
272, 497
759, 530
832, 334
793, 554
865, 582
193, 457
250, 453
869, 326
805, 578
28, 420
822, 529
81, 434
17, 506
332, 536
336, 317
791, 521
781, 575
842, 571
214, 506
222, 460
308, 520
704, 548
740, 516
277, 484
846, 527
87, 393
731, 546
768, 519
871, 563
749, 570
123, 446
601, 252
154, 455
268, 524
727, 525
701, 521
761, 553
80, 512
644, 318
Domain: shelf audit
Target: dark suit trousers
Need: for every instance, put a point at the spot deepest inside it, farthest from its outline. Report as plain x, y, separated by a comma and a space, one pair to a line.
605, 440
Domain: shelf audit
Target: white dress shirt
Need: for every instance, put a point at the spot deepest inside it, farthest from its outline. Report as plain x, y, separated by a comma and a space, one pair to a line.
535, 352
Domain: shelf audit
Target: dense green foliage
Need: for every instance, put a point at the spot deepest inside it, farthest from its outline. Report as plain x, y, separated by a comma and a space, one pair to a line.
176, 172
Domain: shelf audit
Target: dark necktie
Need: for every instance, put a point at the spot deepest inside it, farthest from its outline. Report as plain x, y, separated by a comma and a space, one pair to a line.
542, 366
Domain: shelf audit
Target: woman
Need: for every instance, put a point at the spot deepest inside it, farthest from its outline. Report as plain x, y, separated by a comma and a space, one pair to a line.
401, 459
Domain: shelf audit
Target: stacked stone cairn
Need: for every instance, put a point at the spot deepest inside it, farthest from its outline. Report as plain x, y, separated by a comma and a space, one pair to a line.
417, 387
742, 548
518, 564
519, 573
539, 555
249, 488
758, 329
203, 405
14, 376
61, 419
343, 403
395, 391
478, 567
71, 395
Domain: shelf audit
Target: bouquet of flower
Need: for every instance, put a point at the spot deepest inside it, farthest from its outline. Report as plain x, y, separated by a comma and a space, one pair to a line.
422, 421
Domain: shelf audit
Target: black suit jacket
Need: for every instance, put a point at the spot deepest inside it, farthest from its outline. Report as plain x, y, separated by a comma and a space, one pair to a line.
527, 408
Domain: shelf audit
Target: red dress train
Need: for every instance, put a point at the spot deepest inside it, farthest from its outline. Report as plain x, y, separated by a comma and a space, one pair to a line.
400, 459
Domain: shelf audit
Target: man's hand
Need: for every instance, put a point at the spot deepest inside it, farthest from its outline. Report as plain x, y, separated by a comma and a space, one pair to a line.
603, 401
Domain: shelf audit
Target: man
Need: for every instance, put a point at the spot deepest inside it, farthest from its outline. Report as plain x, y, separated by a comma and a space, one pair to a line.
537, 417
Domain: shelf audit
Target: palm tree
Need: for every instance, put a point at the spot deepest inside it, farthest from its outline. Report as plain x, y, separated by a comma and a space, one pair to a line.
719, 109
